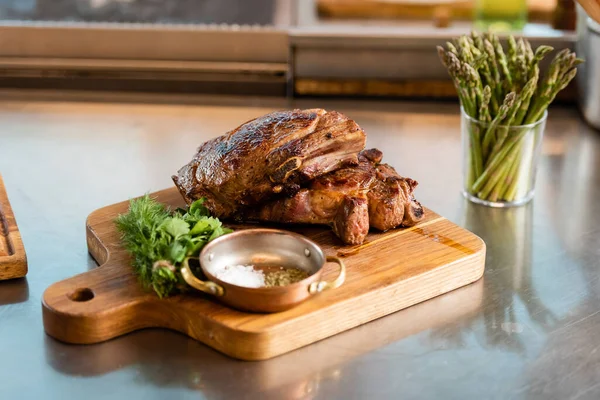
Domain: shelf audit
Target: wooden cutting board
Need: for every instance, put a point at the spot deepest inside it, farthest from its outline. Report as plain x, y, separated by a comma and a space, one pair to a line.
13, 261
387, 273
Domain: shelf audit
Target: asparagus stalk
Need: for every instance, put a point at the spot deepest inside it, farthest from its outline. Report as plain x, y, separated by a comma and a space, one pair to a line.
561, 73
511, 54
526, 96
494, 195
513, 171
502, 132
528, 52
495, 162
489, 135
489, 50
507, 173
476, 155
476, 160
510, 183
465, 50
521, 64
515, 115
493, 181
511, 148
539, 55
522, 168
473, 80
450, 47
452, 64
502, 61
477, 39
484, 109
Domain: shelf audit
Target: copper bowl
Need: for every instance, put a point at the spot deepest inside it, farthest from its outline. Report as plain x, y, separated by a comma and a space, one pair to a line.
262, 247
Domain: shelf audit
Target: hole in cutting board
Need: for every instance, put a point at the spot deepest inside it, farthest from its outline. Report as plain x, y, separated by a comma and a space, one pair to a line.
81, 294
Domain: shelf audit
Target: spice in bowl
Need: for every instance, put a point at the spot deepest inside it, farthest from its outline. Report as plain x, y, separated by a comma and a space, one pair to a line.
260, 276
284, 276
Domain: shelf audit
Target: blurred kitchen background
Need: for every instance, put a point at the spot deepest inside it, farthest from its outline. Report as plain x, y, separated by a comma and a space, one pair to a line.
349, 48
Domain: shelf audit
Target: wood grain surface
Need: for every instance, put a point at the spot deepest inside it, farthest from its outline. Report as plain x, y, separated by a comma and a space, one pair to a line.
438, 89
387, 273
13, 261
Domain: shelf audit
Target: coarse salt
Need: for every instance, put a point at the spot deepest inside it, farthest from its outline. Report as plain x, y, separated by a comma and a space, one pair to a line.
240, 275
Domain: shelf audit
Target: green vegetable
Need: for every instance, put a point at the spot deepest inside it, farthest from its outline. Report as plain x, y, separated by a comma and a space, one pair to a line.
503, 89
159, 240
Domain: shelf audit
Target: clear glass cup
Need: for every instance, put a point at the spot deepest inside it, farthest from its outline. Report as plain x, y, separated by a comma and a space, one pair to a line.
500, 163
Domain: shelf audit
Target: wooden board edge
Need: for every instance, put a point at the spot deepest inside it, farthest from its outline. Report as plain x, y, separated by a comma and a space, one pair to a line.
84, 329
96, 248
15, 264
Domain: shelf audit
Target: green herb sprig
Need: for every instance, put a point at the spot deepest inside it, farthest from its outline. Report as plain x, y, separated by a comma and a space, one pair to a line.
159, 240
503, 89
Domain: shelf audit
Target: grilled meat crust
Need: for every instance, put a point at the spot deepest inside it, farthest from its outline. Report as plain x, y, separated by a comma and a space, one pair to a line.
350, 200
267, 156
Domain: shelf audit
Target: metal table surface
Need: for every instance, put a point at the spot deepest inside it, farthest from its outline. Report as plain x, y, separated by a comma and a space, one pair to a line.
528, 330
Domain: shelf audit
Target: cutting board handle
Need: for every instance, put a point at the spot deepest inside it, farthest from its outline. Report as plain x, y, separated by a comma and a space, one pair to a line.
96, 306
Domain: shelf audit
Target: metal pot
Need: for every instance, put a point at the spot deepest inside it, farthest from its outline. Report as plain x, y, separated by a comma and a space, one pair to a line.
259, 247
588, 75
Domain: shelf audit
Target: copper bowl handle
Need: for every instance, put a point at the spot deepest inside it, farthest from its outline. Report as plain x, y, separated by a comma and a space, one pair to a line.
204, 286
318, 287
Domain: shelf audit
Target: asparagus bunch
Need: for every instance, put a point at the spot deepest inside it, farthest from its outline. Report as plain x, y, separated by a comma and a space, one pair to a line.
502, 90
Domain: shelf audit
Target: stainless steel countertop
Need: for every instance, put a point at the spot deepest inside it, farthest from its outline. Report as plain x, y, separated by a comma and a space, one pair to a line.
528, 330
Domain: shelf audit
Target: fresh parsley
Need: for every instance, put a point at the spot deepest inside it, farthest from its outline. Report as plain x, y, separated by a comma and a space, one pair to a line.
159, 240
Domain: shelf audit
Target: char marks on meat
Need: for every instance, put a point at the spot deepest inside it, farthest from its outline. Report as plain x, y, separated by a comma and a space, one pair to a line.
272, 154
351, 200
301, 166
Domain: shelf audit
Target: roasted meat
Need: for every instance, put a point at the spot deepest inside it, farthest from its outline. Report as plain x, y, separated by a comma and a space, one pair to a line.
391, 200
300, 166
338, 199
350, 200
271, 155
